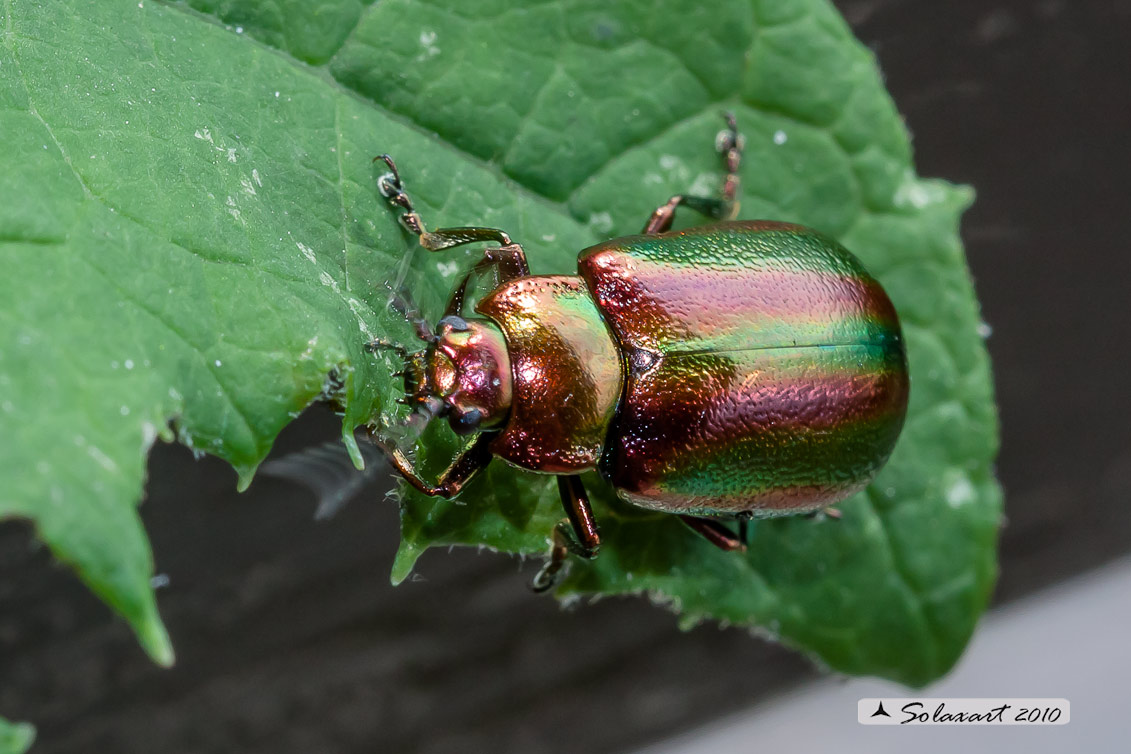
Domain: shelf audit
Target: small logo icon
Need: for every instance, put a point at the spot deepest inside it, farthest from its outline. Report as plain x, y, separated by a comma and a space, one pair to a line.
880, 710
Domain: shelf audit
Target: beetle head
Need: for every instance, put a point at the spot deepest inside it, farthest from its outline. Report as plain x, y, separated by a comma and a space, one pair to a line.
469, 370
464, 374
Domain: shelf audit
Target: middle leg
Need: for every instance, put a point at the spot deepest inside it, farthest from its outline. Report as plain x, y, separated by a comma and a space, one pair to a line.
577, 534
729, 144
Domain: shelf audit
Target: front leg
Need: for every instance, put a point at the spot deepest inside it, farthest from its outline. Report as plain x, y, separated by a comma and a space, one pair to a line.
466, 465
508, 259
509, 263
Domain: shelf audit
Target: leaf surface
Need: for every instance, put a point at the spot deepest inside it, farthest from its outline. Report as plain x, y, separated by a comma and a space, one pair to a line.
15, 738
192, 235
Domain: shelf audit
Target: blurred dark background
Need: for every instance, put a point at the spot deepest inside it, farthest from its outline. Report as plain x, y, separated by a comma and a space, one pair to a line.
290, 638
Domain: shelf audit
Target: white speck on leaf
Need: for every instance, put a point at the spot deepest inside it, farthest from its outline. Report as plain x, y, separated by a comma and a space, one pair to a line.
428, 42
129, 364
124, 410
703, 185
255, 177
359, 310
960, 492
233, 211
447, 269
307, 252
247, 186
103, 460
328, 281
600, 222
917, 194
780, 137
148, 435
218, 363
231, 154
985, 330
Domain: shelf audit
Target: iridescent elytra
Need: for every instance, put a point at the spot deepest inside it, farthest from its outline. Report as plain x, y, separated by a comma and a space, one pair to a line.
736, 370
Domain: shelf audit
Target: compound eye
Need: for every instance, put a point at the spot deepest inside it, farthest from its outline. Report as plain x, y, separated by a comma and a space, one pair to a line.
453, 323
467, 422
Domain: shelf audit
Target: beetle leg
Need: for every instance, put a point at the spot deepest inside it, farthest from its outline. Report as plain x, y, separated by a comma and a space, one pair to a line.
509, 262
392, 189
463, 468
378, 344
401, 301
559, 551
729, 144
661, 219
715, 533
578, 534
580, 513
508, 259
744, 526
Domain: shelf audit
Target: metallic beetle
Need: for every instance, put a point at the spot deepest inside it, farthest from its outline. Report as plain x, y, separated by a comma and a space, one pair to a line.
736, 370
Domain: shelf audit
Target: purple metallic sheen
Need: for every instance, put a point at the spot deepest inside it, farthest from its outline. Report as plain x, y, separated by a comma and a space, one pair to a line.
734, 282
476, 375
766, 371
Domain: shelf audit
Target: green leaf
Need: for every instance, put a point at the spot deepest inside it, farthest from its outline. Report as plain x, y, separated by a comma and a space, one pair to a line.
195, 248
15, 738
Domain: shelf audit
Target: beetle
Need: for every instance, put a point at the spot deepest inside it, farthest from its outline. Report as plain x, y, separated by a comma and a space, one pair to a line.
735, 370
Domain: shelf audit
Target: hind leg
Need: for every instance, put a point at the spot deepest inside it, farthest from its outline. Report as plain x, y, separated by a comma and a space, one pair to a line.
715, 533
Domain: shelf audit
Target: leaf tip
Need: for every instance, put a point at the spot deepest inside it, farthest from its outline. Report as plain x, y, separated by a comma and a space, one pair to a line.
16, 738
245, 476
154, 639
966, 194
407, 555
350, 442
